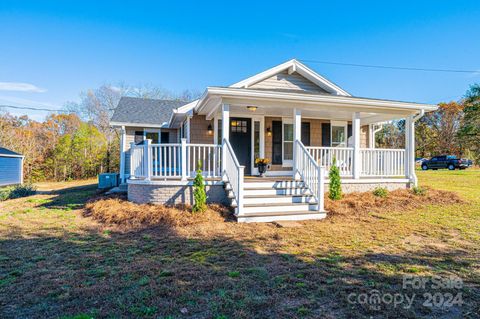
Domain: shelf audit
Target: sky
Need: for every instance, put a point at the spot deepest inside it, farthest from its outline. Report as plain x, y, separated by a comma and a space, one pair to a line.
50, 51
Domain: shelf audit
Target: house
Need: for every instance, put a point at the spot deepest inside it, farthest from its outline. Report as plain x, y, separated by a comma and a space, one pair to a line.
288, 114
11, 167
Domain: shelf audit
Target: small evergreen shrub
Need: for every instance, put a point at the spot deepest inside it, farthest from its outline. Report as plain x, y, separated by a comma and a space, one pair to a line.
380, 192
199, 194
17, 191
335, 187
419, 191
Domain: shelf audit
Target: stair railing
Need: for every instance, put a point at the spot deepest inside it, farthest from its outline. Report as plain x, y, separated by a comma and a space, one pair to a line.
233, 173
312, 174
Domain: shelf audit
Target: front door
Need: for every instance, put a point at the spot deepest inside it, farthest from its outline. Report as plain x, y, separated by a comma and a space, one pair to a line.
241, 141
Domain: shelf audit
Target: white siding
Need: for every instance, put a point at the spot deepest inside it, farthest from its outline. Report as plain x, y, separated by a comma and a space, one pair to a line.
10, 170
285, 81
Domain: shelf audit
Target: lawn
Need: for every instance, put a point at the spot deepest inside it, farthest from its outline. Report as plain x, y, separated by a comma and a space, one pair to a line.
57, 263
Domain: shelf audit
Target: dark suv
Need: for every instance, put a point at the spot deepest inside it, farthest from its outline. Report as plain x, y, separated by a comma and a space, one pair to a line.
446, 161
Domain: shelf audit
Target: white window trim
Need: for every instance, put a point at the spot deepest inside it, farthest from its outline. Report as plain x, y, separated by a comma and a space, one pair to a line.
286, 163
345, 127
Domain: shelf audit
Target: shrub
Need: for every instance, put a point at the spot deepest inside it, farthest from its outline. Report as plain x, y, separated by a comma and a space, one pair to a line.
380, 192
335, 187
420, 191
17, 191
199, 194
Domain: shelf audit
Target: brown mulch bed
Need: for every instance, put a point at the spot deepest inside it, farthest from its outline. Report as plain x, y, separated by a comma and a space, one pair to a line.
115, 210
361, 204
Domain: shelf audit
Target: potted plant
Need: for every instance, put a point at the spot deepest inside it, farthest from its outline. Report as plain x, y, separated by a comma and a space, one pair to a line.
262, 164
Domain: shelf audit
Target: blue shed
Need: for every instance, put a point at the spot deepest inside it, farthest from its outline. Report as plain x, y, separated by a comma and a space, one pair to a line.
11, 167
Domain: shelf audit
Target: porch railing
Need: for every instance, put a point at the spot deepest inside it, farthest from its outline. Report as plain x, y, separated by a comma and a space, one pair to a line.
382, 162
174, 161
233, 173
324, 157
373, 161
312, 174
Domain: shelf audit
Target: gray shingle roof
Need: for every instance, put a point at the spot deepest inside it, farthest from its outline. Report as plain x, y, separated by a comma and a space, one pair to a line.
144, 111
4, 151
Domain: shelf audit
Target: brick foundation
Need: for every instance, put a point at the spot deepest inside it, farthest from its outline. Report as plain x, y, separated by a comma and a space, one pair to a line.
368, 187
142, 193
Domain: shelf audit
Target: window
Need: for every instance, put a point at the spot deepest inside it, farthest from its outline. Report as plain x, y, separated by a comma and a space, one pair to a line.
256, 141
239, 126
339, 134
287, 142
154, 136
138, 139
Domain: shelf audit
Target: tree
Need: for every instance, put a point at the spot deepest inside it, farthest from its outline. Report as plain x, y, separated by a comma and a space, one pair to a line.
436, 132
469, 132
392, 135
199, 194
335, 186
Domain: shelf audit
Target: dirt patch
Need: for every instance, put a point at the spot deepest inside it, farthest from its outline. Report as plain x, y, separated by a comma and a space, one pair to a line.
362, 204
116, 210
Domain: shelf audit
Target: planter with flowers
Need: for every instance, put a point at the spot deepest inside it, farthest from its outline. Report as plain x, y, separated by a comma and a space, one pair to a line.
262, 164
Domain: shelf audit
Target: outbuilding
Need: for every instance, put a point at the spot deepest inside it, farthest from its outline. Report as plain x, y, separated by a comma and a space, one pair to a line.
11, 167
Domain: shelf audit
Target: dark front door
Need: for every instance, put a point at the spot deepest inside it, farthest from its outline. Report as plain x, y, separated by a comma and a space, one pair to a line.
241, 141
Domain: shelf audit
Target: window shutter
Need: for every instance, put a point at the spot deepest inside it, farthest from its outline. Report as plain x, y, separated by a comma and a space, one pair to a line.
326, 134
349, 131
276, 142
306, 133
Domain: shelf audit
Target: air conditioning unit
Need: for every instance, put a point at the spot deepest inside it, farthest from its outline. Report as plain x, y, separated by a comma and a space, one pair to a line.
108, 180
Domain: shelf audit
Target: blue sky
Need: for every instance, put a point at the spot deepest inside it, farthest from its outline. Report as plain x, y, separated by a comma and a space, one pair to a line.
52, 50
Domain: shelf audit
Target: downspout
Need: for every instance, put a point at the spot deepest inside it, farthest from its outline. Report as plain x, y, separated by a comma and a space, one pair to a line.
413, 175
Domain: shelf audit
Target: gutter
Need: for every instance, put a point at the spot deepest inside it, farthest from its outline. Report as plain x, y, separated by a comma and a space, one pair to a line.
294, 97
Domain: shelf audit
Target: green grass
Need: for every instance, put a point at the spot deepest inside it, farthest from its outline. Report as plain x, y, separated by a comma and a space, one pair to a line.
55, 263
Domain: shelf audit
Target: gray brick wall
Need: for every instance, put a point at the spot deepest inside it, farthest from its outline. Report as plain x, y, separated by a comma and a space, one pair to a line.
173, 194
367, 187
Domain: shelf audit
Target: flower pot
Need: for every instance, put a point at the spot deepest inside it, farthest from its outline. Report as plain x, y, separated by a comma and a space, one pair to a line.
262, 169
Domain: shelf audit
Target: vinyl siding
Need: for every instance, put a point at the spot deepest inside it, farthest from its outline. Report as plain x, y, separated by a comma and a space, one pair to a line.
285, 81
10, 170
199, 130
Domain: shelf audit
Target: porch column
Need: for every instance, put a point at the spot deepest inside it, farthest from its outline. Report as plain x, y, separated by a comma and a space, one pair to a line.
410, 149
122, 154
297, 136
225, 131
357, 161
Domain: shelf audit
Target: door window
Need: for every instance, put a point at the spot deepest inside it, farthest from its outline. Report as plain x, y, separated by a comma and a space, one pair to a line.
256, 141
287, 142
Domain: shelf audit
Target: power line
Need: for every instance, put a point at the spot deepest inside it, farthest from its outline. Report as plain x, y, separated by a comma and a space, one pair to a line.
392, 67
31, 108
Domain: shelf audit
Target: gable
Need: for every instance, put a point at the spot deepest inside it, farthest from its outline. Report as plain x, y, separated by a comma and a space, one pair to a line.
291, 75
285, 81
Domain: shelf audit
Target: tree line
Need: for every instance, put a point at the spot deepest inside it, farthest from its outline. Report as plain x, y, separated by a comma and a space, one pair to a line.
453, 129
79, 142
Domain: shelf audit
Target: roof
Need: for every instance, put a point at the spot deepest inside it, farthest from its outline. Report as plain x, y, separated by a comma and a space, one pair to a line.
9, 153
140, 111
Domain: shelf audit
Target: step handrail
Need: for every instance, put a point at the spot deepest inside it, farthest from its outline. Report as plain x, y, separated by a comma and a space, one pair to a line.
233, 172
312, 174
